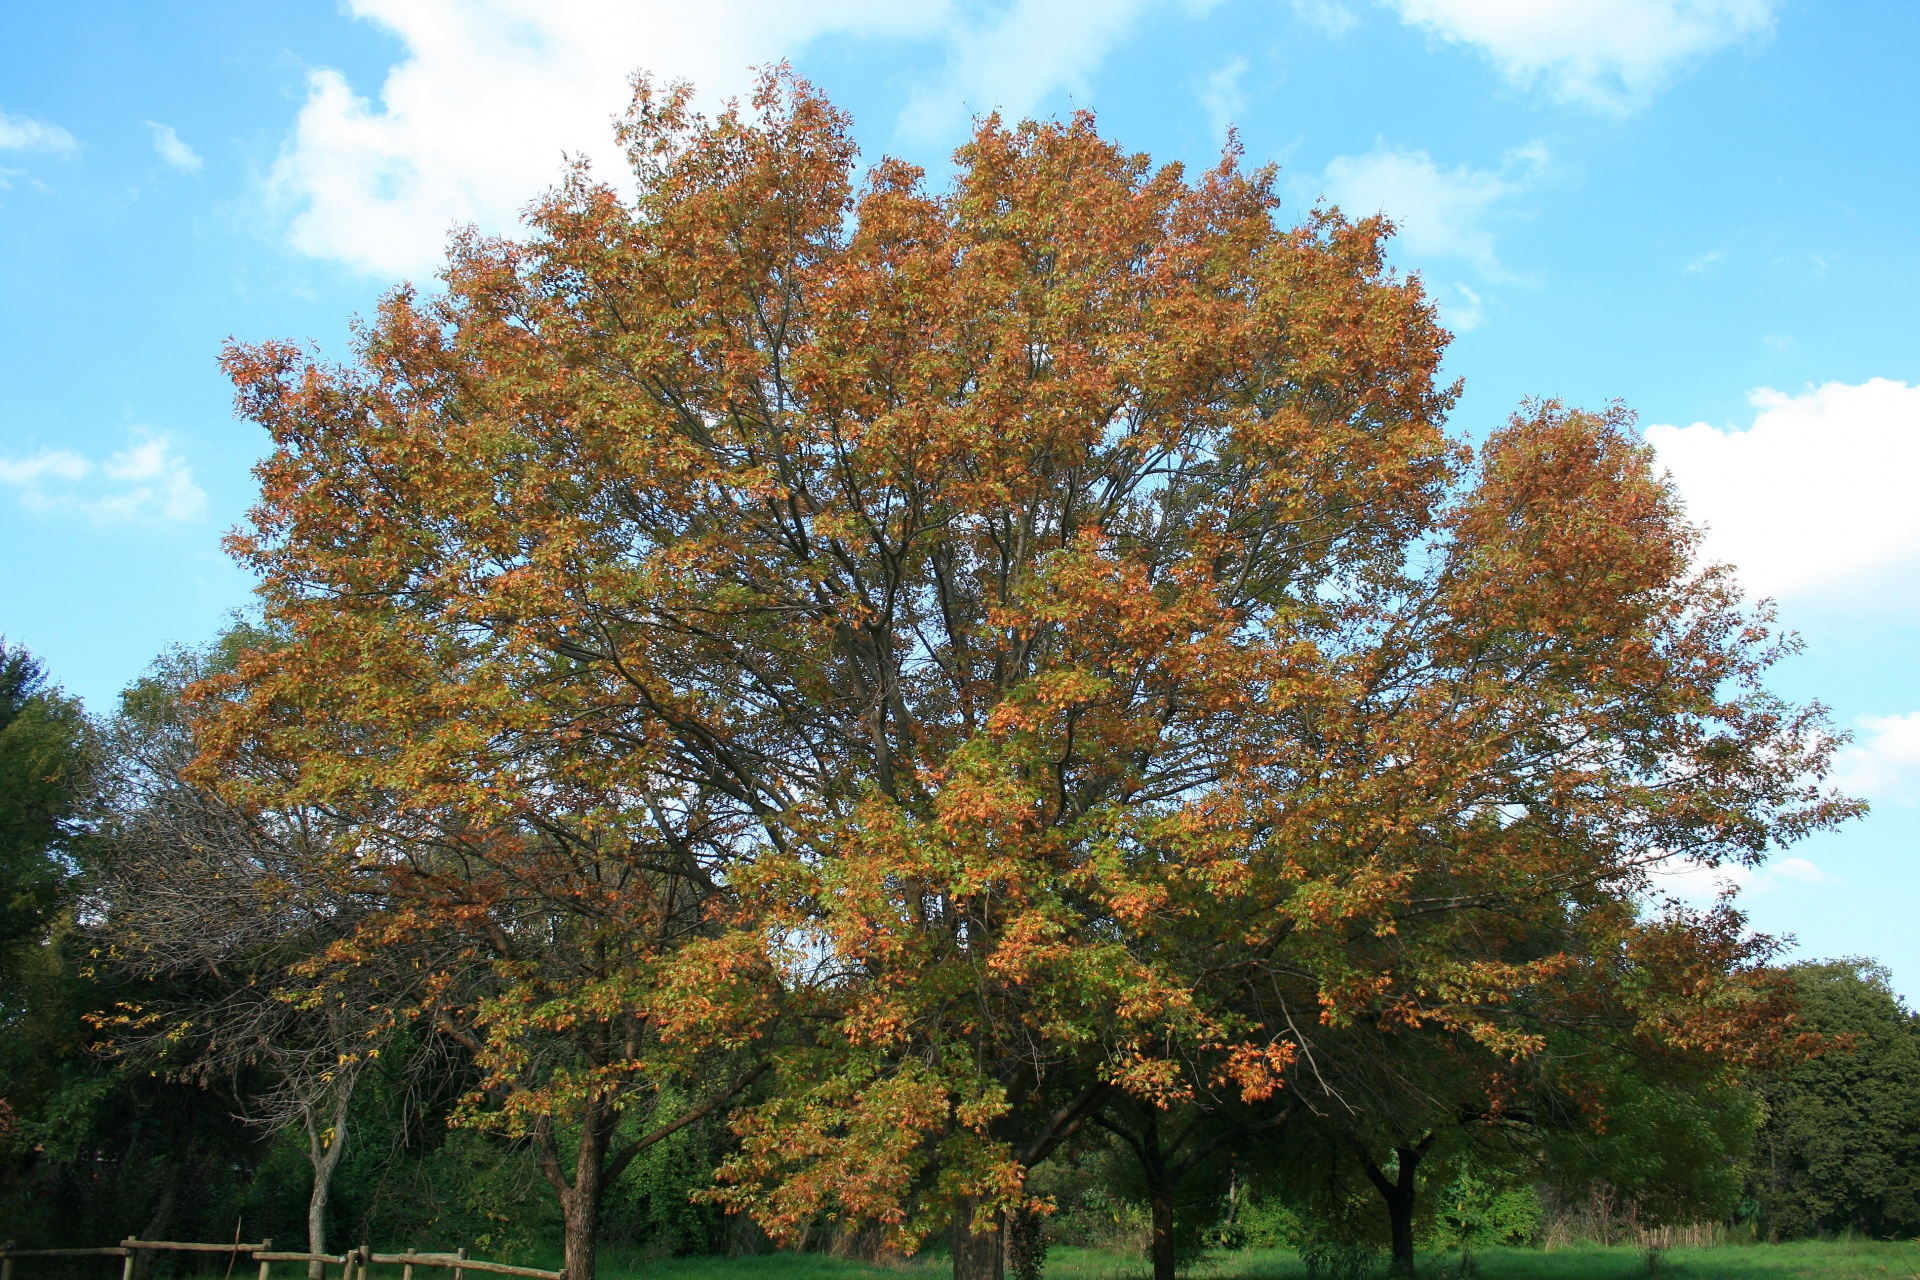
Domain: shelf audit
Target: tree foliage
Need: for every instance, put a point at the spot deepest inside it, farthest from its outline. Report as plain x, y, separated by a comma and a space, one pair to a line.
937, 674
46, 763
981, 655
1839, 1147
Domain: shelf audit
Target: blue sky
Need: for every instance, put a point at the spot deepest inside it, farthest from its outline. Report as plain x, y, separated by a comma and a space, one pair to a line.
1709, 209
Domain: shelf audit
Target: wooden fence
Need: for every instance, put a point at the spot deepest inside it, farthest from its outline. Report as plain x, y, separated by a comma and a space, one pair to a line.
354, 1264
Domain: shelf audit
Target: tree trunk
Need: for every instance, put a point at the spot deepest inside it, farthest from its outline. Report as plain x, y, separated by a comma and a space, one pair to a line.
582, 1231
580, 1195
325, 1156
978, 1253
1160, 1195
1400, 1220
1399, 1196
158, 1221
594, 1166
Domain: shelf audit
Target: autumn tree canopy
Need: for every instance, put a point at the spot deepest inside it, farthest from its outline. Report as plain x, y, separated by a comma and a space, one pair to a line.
947, 660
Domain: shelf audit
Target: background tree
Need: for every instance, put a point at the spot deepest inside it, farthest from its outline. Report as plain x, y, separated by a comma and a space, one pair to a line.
93, 1151
1839, 1146
225, 919
1185, 1158
47, 759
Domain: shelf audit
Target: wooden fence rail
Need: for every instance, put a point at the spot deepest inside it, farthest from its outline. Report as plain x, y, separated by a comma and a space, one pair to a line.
459, 1262
354, 1264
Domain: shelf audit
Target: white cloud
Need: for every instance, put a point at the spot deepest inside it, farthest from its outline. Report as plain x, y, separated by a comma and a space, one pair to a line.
473, 121
1691, 882
1800, 871
1016, 58
1329, 17
1461, 309
1222, 95
20, 133
29, 473
172, 149
1608, 54
145, 482
1708, 261
1442, 213
1821, 494
1885, 763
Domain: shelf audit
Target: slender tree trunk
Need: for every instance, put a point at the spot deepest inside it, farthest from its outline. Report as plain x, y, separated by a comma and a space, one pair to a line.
158, 1221
1160, 1183
1160, 1196
1400, 1220
978, 1252
595, 1165
325, 1150
1399, 1195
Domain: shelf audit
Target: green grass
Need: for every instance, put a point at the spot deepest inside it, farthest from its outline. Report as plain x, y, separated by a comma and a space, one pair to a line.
1802, 1260
1813, 1260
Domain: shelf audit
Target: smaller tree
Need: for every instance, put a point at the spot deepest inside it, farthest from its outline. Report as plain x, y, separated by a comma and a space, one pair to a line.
95, 1148
46, 766
1839, 1148
228, 920
1183, 1153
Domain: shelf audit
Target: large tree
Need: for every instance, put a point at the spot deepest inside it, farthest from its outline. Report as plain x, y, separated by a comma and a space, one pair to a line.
954, 646
875, 575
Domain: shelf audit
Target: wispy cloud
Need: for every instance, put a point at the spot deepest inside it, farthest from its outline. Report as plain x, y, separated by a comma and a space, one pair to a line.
172, 150
1329, 17
1014, 58
147, 482
1442, 213
1816, 495
1611, 55
23, 133
1884, 762
1708, 261
1691, 882
1461, 309
1222, 95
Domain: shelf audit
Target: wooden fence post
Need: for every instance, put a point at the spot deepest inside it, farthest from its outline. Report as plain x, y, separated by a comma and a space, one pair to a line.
266, 1246
366, 1260
126, 1271
6, 1263
406, 1272
459, 1273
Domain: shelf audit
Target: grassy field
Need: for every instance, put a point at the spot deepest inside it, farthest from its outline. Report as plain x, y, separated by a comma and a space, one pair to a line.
1814, 1260
1803, 1260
